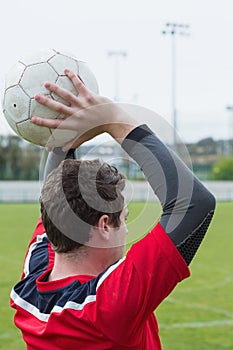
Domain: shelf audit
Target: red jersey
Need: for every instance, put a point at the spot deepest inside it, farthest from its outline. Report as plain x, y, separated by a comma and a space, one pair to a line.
114, 310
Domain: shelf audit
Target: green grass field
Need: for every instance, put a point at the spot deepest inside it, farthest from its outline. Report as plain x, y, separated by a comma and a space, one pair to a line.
198, 314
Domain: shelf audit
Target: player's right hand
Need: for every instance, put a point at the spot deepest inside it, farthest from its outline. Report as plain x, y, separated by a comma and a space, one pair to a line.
87, 113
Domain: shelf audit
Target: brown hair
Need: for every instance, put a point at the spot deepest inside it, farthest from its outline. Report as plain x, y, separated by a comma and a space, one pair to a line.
74, 196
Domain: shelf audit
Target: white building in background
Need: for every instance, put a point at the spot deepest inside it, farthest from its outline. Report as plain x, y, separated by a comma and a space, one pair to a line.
29, 191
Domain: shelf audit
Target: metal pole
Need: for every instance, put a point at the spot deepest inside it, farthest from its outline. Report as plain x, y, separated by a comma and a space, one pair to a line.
116, 55
229, 108
173, 84
174, 29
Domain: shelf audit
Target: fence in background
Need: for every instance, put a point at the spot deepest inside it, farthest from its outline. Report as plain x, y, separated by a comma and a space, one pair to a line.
19, 191
29, 191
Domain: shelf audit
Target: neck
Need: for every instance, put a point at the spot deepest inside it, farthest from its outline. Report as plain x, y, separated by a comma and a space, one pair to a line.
84, 261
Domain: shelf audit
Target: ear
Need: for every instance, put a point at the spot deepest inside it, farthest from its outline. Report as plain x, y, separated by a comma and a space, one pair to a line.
104, 228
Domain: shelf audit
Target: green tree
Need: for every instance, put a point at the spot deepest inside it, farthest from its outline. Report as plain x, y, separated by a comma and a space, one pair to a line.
19, 160
2, 157
223, 169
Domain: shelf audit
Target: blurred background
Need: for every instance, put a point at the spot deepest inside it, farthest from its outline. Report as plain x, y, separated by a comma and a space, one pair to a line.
174, 57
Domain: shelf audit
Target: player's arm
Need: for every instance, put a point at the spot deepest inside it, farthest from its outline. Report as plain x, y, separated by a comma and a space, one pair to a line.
187, 205
55, 157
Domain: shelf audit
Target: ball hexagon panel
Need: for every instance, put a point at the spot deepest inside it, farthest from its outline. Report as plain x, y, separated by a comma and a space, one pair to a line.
16, 104
10, 121
60, 137
39, 110
36, 57
32, 132
35, 76
14, 75
26, 79
65, 83
88, 77
59, 62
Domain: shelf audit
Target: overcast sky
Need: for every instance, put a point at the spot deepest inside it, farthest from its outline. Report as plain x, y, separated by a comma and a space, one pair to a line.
91, 28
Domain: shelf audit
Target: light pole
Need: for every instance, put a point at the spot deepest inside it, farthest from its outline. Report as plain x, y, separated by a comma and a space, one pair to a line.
229, 108
174, 29
116, 55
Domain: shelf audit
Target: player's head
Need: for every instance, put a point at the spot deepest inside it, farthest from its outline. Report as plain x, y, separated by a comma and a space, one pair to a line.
75, 197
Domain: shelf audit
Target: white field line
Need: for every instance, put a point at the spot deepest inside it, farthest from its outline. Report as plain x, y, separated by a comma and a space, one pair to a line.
201, 307
219, 284
203, 324
214, 323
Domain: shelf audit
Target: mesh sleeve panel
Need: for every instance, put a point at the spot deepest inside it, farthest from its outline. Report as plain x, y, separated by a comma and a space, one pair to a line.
190, 245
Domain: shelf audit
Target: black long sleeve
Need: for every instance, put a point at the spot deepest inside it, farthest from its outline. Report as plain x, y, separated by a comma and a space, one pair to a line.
187, 205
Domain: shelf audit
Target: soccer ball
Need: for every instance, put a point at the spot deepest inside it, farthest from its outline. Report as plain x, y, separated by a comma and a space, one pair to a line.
26, 78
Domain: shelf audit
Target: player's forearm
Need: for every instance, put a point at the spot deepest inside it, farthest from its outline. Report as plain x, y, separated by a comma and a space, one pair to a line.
187, 205
120, 130
54, 159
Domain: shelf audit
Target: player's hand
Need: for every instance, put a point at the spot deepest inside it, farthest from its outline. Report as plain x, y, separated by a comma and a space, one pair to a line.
87, 113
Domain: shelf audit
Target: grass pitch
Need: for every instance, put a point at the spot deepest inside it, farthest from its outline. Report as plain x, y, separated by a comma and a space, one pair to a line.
197, 315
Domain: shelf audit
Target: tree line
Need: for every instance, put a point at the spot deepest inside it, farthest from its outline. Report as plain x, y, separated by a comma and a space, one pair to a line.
19, 160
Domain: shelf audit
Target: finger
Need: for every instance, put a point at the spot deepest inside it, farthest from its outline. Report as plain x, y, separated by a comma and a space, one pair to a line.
70, 123
77, 82
49, 123
59, 107
63, 93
